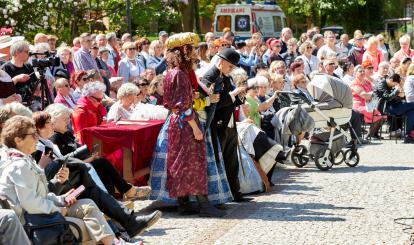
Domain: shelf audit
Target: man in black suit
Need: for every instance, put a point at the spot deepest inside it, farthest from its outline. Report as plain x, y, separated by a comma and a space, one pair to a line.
223, 124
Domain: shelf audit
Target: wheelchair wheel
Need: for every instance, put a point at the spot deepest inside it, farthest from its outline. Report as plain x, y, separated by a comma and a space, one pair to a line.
339, 157
300, 156
351, 158
321, 161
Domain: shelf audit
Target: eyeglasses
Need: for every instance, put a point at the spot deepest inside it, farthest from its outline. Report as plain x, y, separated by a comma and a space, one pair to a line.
131, 49
34, 135
277, 46
309, 47
142, 84
145, 43
331, 64
97, 99
370, 68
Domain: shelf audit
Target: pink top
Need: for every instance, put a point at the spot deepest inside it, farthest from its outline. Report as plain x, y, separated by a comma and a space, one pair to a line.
375, 59
400, 54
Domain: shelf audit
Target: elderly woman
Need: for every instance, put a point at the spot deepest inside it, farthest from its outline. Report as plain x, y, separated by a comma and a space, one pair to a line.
63, 94
299, 83
25, 186
143, 85
362, 90
122, 109
373, 54
405, 51
145, 44
89, 110
311, 61
255, 105
155, 60
66, 60
156, 90
409, 85
130, 67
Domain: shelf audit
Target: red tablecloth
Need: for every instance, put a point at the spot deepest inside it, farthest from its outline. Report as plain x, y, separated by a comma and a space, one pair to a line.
140, 138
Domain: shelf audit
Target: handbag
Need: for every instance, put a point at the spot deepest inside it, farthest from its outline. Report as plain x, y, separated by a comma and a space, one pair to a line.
50, 229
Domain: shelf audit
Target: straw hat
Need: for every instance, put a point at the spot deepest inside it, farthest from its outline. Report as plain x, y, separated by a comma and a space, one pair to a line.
181, 39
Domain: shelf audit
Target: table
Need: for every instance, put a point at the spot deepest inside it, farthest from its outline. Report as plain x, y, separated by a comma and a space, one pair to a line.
129, 145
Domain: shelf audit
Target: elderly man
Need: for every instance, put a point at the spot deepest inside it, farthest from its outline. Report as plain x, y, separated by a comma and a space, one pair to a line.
286, 36
405, 51
223, 124
101, 40
40, 38
21, 73
114, 54
209, 37
163, 36
343, 46
83, 60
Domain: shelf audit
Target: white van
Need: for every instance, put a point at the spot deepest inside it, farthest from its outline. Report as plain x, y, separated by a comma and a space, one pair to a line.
246, 19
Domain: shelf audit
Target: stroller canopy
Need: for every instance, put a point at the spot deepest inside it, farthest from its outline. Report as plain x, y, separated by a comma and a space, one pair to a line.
329, 89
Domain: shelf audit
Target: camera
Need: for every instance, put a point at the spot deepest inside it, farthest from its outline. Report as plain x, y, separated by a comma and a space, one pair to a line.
50, 60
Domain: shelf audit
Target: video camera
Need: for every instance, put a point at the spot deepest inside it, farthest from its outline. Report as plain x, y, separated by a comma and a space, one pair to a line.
50, 60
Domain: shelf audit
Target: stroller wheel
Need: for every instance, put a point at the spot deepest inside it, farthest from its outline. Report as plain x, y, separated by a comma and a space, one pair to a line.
323, 162
351, 157
339, 157
300, 156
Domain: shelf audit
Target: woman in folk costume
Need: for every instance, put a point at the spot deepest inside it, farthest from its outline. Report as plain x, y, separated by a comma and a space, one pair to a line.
183, 171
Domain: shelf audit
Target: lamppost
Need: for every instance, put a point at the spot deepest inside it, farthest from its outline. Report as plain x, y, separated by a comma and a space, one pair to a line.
128, 12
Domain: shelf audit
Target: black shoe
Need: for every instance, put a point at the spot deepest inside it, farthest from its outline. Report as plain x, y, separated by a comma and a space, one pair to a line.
208, 210
138, 224
282, 156
408, 140
185, 207
242, 199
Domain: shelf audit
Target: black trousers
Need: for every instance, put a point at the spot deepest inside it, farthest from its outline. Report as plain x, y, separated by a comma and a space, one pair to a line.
229, 142
356, 123
110, 176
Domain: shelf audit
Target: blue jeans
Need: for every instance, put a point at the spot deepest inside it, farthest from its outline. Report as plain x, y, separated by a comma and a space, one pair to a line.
404, 109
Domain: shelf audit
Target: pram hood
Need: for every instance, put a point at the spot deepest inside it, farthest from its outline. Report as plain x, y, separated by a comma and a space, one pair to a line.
331, 90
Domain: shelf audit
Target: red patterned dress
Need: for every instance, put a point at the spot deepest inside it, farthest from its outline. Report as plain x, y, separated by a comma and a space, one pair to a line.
186, 158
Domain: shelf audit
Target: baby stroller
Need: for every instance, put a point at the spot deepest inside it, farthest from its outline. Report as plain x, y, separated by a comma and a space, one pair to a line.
332, 109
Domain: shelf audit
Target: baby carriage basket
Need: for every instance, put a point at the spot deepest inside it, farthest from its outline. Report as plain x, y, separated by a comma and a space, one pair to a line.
331, 109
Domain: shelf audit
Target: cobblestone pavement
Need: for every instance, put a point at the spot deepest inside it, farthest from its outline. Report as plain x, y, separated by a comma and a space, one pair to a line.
307, 206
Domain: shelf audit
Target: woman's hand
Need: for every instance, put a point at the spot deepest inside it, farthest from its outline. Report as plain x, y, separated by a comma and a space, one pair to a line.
64, 211
198, 135
69, 201
62, 175
94, 156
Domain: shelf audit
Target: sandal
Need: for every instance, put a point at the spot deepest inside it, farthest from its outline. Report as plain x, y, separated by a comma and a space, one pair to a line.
138, 193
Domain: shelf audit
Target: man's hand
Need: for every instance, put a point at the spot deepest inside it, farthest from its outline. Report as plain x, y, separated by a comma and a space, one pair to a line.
20, 78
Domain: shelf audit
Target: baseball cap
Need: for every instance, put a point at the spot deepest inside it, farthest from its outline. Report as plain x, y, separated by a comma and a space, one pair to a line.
162, 33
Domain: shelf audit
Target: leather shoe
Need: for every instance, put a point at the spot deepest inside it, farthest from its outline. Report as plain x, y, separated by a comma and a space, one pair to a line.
242, 199
138, 224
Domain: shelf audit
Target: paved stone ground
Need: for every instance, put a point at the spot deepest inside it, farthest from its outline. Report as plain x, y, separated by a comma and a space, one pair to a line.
308, 206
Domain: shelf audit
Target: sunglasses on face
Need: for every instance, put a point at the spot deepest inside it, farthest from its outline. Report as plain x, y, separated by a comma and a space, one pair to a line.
370, 68
142, 84
131, 49
309, 47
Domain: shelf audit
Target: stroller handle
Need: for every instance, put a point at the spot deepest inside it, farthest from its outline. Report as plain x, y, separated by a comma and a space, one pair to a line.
301, 95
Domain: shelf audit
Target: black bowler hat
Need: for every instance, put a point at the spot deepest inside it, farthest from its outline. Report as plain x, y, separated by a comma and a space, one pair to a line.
230, 55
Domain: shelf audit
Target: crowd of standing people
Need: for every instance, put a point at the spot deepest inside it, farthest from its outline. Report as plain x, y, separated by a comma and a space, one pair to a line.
220, 139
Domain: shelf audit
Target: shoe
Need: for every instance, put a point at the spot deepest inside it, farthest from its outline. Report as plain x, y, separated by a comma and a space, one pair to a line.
408, 140
138, 193
363, 141
240, 198
208, 210
138, 224
185, 207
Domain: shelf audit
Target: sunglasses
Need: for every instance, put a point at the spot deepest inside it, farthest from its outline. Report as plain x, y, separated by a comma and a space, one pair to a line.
277, 46
370, 68
142, 84
309, 47
97, 99
131, 49
331, 64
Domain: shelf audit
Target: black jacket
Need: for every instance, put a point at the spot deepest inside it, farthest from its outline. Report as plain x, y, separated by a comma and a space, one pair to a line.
226, 106
386, 96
